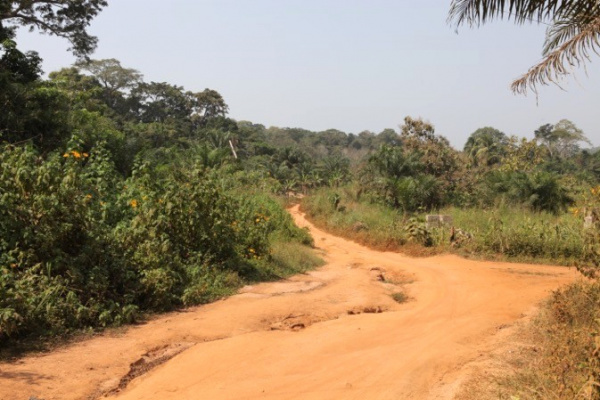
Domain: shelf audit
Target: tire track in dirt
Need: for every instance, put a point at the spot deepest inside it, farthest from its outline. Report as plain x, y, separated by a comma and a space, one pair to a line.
314, 336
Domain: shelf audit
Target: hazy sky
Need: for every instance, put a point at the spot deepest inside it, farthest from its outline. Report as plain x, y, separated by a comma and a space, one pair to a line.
352, 65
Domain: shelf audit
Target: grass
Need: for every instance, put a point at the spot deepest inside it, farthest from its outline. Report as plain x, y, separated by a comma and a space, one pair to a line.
292, 258
374, 225
519, 234
506, 233
562, 361
400, 297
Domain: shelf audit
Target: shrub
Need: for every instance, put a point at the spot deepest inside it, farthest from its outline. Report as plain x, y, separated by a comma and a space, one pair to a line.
567, 367
80, 246
541, 191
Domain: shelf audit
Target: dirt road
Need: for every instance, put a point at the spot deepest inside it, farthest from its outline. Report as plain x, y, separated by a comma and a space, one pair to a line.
333, 333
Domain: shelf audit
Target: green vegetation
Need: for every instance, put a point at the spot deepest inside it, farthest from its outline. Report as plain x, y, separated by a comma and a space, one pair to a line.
83, 246
400, 297
565, 364
509, 232
120, 196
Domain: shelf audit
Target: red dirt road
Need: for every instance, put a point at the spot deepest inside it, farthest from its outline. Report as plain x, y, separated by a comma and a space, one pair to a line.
333, 333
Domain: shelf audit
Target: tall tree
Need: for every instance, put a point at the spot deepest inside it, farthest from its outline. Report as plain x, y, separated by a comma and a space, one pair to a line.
159, 101
562, 140
206, 105
439, 157
486, 146
65, 18
111, 74
114, 78
573, 32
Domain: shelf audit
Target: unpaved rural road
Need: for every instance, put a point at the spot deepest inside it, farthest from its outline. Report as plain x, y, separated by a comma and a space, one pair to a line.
333, 333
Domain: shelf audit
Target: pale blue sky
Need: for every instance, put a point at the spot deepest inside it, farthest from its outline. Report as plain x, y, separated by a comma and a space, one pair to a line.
352, 65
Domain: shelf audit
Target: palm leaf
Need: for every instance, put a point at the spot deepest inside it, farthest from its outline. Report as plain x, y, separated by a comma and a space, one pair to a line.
565, 27
572, 36
478, 12
574, 52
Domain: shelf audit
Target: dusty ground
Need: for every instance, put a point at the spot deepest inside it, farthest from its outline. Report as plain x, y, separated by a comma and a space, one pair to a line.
334, 333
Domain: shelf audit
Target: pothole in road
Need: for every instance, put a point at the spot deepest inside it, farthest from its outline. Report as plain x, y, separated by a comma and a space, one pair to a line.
147, 362
297, 322
391, 277
279, 288
367, 310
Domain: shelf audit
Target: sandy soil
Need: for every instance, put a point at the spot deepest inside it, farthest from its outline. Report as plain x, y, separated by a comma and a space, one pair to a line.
333, 333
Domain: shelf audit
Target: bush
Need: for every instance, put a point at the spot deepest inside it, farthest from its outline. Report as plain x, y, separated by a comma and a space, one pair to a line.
80, 246
541, 191
514, 232
58, 269
567, 330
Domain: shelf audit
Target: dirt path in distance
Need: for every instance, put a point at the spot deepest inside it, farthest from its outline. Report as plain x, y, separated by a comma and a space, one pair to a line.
333, 333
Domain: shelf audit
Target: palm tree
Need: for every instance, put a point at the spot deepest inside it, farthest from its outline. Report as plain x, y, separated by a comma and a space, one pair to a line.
573, 32
486, 146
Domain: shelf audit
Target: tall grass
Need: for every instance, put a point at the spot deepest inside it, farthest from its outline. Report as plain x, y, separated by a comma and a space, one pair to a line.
513, 233
374, 225
566, 363
518, 233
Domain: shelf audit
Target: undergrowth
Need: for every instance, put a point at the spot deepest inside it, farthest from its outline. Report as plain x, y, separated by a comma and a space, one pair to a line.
567, 334
81, 247
511, 233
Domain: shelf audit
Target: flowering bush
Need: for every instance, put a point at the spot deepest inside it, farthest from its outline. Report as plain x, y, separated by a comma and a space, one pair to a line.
81, 246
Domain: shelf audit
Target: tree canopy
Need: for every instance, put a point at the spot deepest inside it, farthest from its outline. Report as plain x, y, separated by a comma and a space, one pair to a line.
64, 18
486, 146
562, 140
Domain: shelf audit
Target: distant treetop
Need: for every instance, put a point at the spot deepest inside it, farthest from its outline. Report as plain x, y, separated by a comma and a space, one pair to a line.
64, 18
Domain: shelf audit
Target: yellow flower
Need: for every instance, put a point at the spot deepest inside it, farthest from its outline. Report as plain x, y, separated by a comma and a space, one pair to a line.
66, 155
251, 250
574, 210
88, 196
133, 203
85, 155
76, 154
257, 219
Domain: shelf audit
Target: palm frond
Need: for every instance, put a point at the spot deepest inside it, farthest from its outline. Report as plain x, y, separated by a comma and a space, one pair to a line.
573, 51
478, 12
560, 32
566, 26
